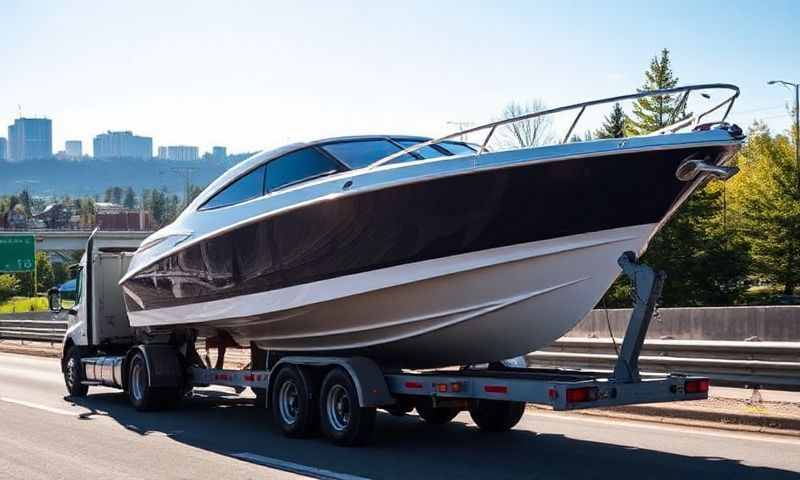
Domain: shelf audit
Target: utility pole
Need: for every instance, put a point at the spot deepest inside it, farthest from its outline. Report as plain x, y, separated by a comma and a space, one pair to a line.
462, 125
796, 121
187, 174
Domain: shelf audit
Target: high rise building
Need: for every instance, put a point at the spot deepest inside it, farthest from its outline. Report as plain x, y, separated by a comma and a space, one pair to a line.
219, 153
162, 153
122, 145
3, 148
73, 149
29, 139
180, 152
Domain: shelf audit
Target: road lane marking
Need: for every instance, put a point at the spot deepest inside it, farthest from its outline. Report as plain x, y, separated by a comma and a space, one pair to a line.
297, 468
40, 407
699, 430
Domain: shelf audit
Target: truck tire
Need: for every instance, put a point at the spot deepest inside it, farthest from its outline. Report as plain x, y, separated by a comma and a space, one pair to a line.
291, 405
497, 415
435, 415
73, 374
343, 421
143, 397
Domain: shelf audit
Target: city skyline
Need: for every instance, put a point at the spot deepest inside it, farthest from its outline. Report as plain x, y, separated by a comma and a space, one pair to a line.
220, 76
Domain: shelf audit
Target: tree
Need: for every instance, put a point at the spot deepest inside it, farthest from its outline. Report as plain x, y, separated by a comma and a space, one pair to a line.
706, 262
130, 198
765, 199
653, 113
613, 125
60, 273
525, 133
9, 286
25, 201
44, 272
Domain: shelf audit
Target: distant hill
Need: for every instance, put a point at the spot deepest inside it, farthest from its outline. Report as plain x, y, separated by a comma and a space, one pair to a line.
89, 177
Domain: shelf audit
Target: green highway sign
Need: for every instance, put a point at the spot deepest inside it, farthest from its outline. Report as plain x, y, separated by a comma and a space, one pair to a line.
17, 253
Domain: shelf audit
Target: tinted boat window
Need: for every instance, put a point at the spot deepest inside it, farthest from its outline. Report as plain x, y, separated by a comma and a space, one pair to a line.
297, 166
245, 188
359, 154
424, 152
457, 148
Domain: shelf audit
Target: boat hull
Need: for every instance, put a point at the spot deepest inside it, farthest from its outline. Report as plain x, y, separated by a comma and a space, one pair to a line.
459, 268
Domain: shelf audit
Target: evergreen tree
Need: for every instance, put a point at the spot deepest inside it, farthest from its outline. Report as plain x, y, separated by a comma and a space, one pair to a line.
614, 124
653, 113
765, 200
130, 198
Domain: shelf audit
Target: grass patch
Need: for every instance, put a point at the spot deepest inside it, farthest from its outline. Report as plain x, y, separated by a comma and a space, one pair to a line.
24, 304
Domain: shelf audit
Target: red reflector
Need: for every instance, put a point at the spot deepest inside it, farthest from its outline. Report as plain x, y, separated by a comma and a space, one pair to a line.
455, 387
703, 385
696, 386
552, 393
585, 394
441, 387
495, 389
413, 385
250, 378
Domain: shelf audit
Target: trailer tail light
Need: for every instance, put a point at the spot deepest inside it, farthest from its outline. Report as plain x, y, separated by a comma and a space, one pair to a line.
584, 394
455, 387
413, 385
696, 386
495, 389
441, 387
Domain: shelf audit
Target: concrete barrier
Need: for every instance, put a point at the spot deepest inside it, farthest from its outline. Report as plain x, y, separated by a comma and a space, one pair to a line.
766, 323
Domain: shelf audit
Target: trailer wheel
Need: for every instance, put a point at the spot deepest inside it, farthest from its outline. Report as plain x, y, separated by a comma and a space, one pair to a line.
143, 397
435, 415
497, 415
291, 404
73, 374
344, 422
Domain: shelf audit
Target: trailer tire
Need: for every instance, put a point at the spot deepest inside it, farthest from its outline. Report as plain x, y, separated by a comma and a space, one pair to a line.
343, 421
435, 415
73, 374
291, 405
497, 415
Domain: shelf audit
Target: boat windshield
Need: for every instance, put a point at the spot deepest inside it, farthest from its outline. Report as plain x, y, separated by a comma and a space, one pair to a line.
361, 153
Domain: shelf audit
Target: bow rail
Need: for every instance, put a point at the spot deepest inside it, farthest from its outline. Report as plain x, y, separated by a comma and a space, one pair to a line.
674, 126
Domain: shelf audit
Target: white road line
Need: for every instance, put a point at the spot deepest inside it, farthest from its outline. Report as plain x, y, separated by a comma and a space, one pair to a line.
702, 431
295, 467
40, 407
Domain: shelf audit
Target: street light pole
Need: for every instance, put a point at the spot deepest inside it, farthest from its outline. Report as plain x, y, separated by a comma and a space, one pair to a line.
796, 121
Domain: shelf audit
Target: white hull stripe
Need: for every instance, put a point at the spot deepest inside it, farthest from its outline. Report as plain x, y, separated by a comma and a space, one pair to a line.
326, 290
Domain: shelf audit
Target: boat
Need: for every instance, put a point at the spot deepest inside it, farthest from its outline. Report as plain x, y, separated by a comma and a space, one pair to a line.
420, 252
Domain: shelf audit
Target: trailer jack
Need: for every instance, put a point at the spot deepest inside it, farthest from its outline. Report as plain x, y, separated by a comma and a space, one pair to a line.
647, 285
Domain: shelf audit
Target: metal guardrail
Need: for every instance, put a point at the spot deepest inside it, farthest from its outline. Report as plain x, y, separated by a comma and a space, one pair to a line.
766, 364
40, 330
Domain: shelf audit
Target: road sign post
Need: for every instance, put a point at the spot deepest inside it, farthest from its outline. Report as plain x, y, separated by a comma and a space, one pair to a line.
18, 254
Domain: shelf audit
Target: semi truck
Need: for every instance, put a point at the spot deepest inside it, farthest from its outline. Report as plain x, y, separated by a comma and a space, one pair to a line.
337, 395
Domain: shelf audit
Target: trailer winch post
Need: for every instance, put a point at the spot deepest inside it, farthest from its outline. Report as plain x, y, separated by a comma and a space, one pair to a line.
647, 285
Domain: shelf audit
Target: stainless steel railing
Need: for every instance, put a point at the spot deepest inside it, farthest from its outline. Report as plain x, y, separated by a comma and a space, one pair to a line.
581, 107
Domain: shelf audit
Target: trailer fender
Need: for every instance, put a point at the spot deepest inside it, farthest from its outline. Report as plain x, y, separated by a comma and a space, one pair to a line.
163, 365
369, 380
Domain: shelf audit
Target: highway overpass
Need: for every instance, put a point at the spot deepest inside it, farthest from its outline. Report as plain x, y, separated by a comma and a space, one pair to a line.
65, 240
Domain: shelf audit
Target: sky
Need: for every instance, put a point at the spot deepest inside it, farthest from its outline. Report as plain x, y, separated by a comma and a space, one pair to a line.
257, 75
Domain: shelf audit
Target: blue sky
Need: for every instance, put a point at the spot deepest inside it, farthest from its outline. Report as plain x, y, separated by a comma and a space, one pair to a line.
254, 75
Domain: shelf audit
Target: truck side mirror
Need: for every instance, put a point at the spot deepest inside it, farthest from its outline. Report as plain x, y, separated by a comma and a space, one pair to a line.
54, 299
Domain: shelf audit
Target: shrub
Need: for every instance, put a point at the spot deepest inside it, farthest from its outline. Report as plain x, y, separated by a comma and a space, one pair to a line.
8, 287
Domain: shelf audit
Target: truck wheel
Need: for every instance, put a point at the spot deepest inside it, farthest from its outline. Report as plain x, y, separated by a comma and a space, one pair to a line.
291, 404
344, 422
142, 396
497, 415
435, 415
73, 374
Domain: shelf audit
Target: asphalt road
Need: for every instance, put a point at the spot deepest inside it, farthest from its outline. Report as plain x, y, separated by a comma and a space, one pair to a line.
217, 435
